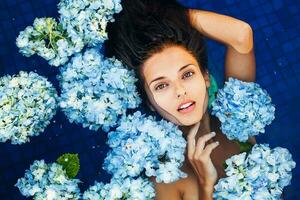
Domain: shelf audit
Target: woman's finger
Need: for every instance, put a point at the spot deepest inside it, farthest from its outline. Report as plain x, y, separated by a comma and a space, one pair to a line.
193, 131
201, 143
191, 140
209, 148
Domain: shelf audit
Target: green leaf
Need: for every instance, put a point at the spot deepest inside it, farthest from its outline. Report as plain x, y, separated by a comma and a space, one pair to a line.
70, 163
225, 165
245, 146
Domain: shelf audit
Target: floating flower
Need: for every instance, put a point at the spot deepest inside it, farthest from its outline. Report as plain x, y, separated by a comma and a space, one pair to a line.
47, 39
48, 181
244, 109
95, 90
142, 144
88, 19
262, 174
27, 104
125, 189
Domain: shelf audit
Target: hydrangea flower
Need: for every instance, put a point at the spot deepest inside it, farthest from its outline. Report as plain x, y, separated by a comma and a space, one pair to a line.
87, 19
96, 90
27, 104
47, 39
142, 144
244, 109
260, 175
125, 189
48, 181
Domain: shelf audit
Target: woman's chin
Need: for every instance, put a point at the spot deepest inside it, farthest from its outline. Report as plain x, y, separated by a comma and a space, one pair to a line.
189, 120
190, 123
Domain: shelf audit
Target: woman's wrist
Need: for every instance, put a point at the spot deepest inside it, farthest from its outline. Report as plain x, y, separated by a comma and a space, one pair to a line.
207, 188
206, 193
206, 185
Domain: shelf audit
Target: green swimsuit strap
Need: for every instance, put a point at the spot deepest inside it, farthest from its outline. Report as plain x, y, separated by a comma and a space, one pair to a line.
212, 90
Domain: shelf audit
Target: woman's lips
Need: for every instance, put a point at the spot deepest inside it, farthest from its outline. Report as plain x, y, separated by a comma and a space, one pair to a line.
185, 104
187, 109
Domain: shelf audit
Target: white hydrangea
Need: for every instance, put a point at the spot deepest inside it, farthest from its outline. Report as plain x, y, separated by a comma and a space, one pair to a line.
27, 104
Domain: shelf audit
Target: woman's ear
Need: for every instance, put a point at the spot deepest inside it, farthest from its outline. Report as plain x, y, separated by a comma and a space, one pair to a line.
206, 78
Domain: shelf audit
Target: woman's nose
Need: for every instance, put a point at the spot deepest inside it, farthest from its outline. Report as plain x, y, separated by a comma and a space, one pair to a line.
180, 90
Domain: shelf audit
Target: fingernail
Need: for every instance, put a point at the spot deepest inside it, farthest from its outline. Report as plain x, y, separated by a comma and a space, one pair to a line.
217, 142
213, 133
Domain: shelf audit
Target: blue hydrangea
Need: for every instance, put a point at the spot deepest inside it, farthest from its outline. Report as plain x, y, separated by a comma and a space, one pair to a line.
27, 104
260, 175
125, 189
48, 181
47, 39
142, 144
88, 19
96, 90
243, 108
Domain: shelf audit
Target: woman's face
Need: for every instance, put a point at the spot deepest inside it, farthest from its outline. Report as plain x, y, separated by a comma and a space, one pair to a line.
175, 86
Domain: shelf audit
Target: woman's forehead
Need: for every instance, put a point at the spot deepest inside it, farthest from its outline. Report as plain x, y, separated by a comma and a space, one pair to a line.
166, 62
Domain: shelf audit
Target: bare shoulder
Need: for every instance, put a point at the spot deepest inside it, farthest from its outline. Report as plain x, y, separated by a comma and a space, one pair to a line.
165, 191
183, 189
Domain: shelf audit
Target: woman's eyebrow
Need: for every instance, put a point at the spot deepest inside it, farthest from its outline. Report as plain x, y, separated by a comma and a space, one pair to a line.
162, 77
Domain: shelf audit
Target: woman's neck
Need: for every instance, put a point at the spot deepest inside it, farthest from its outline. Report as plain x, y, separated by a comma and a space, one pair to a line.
204, 128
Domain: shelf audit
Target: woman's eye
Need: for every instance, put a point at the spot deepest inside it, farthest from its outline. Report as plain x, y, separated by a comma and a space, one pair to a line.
160, 86
188, 74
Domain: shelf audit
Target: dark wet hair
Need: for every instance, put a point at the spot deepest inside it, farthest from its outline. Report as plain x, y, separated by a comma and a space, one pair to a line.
146, 27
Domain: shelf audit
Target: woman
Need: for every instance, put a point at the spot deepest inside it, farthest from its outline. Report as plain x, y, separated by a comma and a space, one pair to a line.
163, 42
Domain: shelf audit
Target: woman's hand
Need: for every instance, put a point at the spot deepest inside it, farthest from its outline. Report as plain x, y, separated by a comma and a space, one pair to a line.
199, 157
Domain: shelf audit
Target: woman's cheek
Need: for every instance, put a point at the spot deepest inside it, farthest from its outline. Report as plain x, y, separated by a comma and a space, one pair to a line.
196, 87
164, 99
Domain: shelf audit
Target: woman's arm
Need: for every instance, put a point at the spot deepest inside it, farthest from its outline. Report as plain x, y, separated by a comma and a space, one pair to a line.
235, 34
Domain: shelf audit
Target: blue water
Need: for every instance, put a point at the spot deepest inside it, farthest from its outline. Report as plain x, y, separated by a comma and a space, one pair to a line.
277, 42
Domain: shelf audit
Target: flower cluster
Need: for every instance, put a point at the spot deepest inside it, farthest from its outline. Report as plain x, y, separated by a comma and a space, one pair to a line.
96, 90
129, 189
48, 181
142, 144
262, 174
87, 19
47, 39
27, 104
243, 108
82, 22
